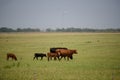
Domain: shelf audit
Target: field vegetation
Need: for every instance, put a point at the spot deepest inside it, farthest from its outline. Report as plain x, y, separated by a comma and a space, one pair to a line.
98, 56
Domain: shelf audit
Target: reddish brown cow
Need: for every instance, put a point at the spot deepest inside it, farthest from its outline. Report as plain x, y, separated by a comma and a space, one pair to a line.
50, 55
11, 55
66, 53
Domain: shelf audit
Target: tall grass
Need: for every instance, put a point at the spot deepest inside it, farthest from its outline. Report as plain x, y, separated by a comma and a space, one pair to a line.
97, 59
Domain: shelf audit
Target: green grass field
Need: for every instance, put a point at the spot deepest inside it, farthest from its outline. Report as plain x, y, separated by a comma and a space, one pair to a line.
98, 56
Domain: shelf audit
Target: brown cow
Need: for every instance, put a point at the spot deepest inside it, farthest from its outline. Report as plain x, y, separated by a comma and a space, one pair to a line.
66, 53
50, 55
11, 55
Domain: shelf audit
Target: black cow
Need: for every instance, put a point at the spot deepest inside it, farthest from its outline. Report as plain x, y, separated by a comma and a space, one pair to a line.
36, 55
53, 50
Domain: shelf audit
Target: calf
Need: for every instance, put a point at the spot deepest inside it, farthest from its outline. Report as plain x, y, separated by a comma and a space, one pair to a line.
11, 55
36, 55
50, 55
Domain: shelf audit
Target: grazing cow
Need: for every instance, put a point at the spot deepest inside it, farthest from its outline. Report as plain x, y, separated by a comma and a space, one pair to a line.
53, 50
50, 55
66, 53
11, 55
36, 55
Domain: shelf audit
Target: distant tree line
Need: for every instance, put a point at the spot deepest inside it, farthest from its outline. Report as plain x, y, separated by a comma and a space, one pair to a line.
86, 30
5, 29
82, 30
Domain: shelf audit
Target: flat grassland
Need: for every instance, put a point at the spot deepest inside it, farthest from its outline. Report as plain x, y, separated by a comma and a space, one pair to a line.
98, 56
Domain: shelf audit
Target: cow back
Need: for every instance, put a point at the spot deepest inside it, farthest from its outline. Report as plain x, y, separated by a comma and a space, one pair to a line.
66, 52
53, 50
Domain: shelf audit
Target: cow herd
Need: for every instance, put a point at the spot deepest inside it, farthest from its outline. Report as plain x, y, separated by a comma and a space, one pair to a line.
55, 53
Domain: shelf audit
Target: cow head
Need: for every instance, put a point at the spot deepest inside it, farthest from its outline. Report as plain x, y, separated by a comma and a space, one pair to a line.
75, 51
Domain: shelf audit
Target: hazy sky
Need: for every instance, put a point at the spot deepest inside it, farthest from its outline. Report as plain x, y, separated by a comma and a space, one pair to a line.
60, 13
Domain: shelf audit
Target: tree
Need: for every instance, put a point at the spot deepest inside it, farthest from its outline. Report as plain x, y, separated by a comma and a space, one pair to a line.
4, 29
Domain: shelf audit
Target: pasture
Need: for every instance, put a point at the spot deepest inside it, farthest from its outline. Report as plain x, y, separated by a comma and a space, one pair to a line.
98, 56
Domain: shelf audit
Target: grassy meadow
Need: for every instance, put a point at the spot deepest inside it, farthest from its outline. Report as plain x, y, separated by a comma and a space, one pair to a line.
98, 56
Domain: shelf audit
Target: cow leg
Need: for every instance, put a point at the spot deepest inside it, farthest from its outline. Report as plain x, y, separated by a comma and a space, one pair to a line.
37, 58
67, 58
58, 58
71, 57
54, 58
61, 57
15, 58
33, 57
48, 58
42, 58
64, 58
